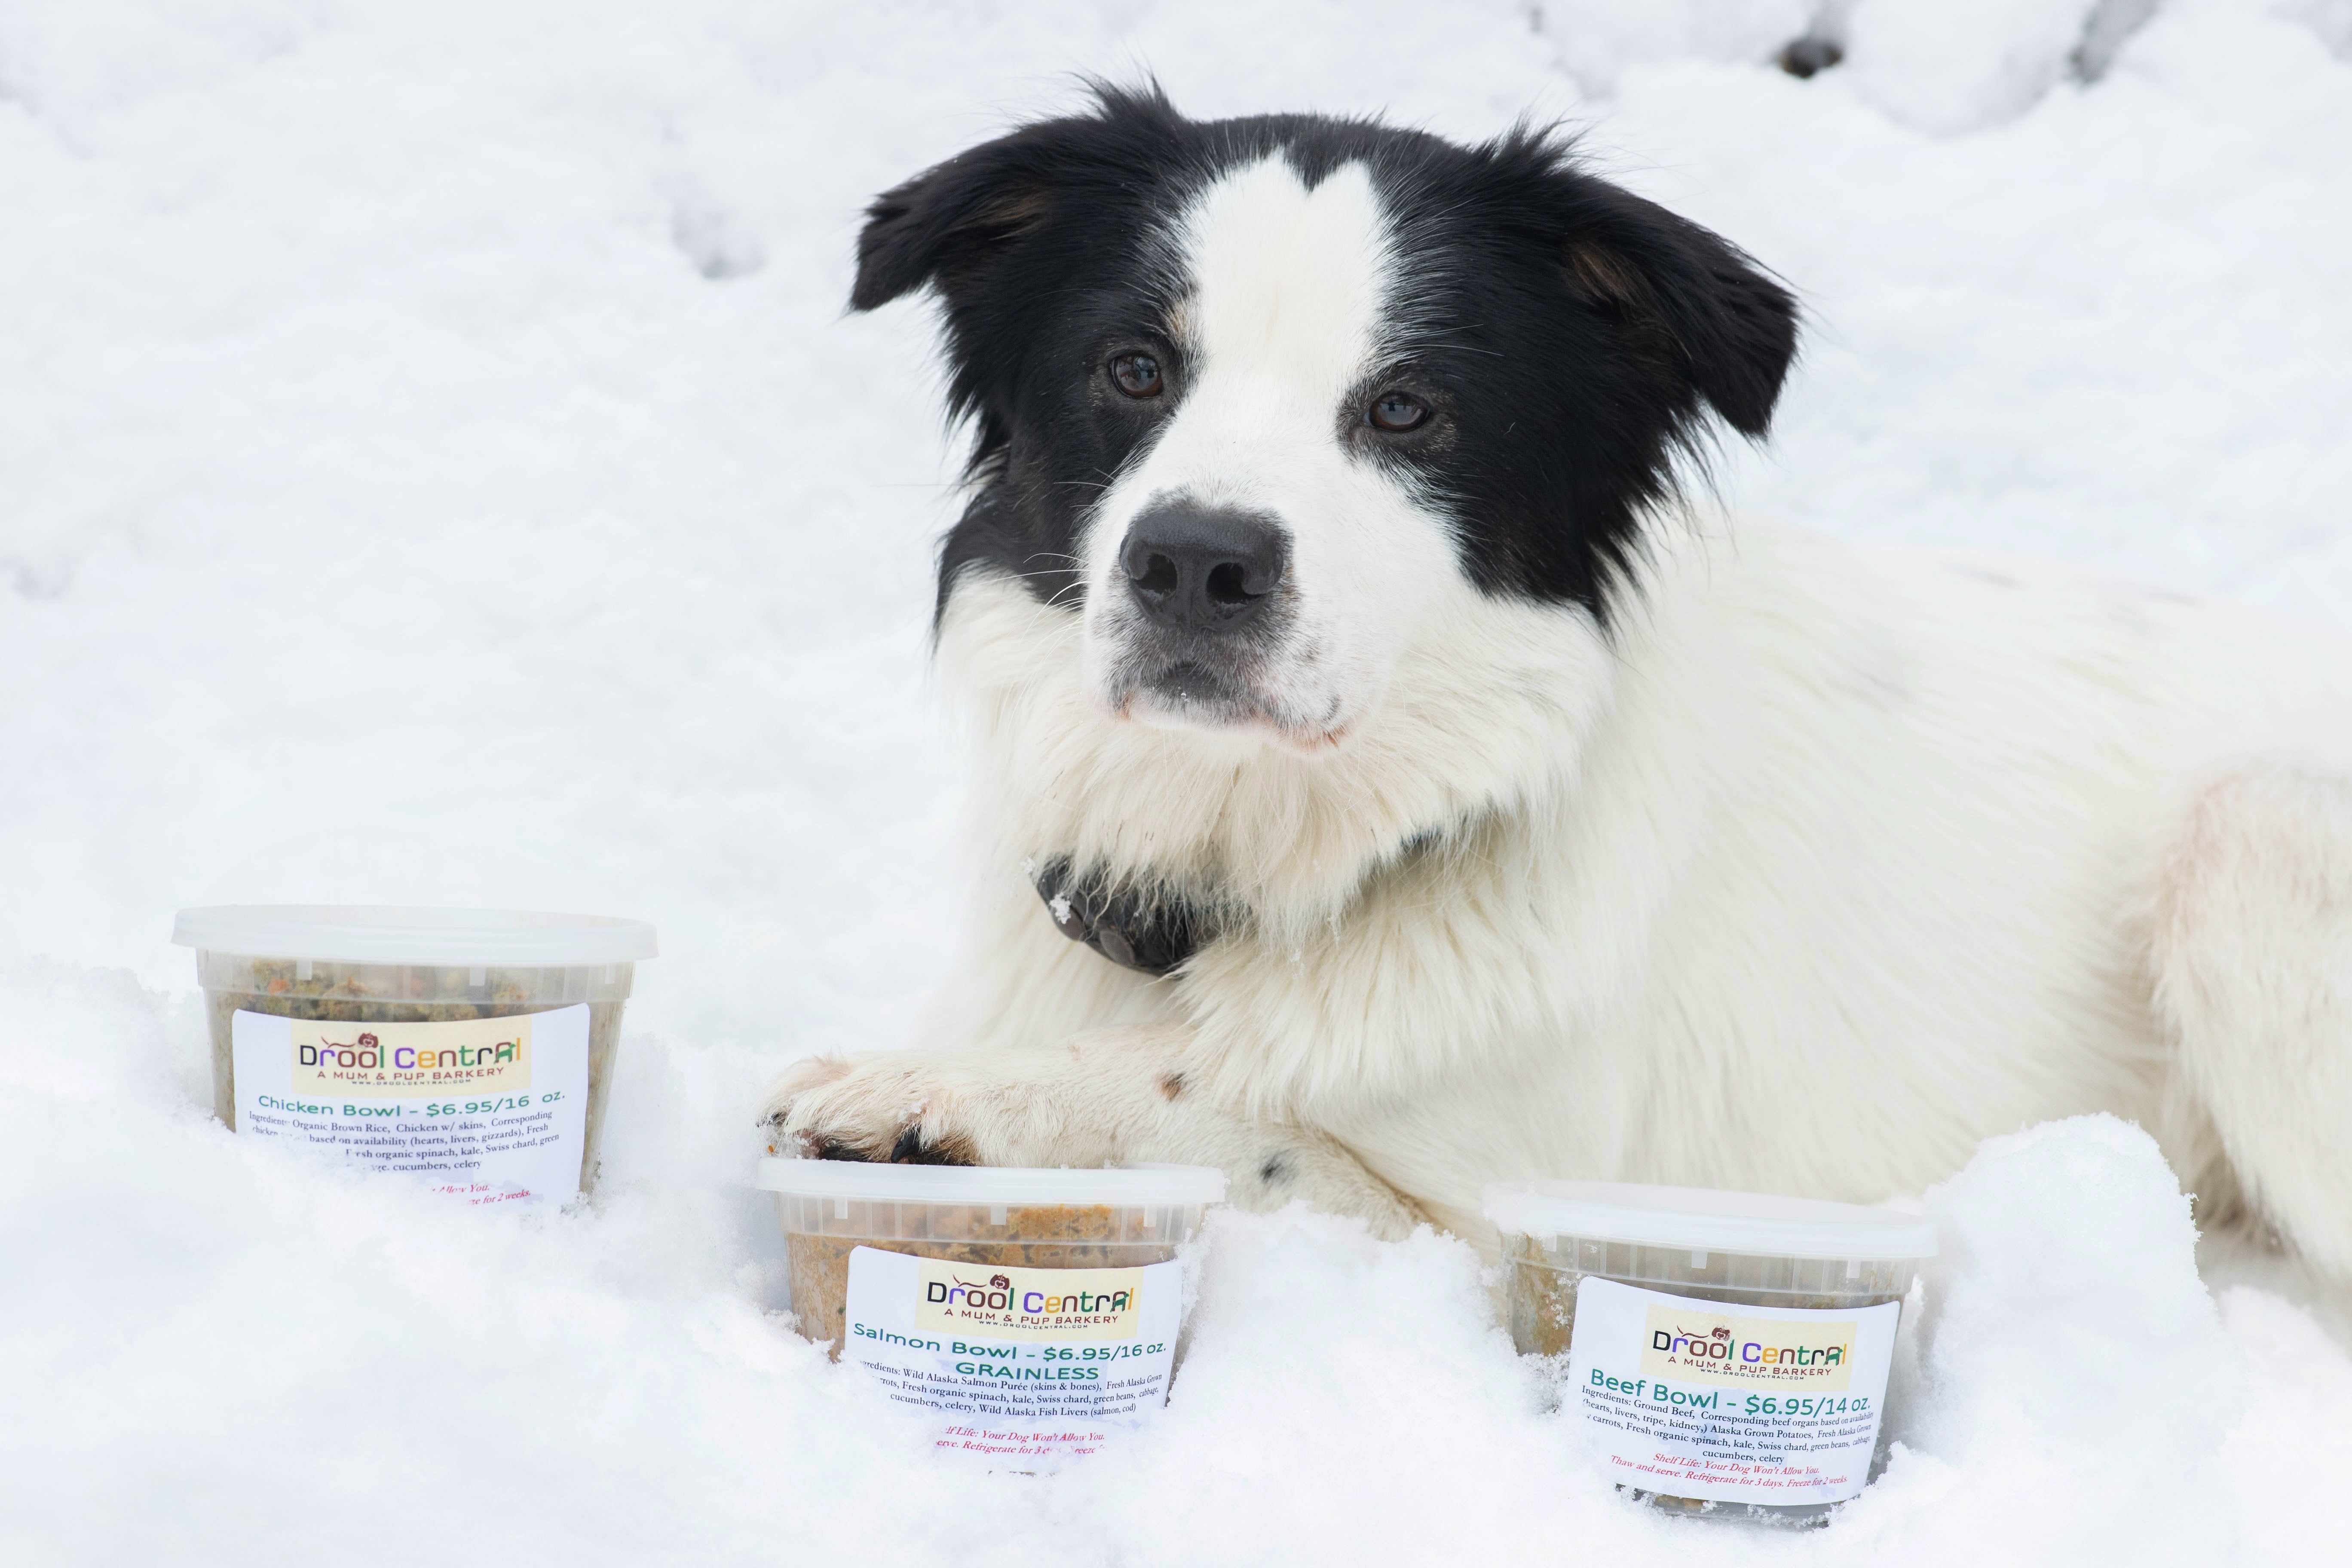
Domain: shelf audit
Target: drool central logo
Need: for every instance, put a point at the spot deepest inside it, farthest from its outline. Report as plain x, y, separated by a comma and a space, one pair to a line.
472, 1055
1055, 1303
1706, 1348
367, 1054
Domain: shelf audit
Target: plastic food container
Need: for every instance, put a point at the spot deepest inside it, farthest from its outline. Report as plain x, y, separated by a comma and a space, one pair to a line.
471, 1049
1725, 1351
1031, 1314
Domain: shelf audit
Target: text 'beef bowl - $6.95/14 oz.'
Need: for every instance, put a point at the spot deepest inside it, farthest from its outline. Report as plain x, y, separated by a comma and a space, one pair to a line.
1030, 1314
1727, 1352
469, 1049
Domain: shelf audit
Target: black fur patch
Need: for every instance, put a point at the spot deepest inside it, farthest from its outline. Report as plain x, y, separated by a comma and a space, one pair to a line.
911, 1148
1573, 334
1149, 931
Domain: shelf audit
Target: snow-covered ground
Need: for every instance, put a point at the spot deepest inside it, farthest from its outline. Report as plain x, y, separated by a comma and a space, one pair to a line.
435, 466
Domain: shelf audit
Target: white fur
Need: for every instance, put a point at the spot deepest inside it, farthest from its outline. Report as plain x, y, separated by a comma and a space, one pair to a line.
1822, 864
1281, 328
2252, 924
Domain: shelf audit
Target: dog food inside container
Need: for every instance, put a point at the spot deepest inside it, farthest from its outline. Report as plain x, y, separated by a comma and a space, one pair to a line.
1031, 1314
1727, 1352
470, 1049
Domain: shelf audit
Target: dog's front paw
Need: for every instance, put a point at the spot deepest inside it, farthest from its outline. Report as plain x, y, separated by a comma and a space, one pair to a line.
1109, 1097
828, 1109
900, 1109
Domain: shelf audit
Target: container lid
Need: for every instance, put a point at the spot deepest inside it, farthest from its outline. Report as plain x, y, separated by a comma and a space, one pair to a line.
1133, 1185
378, 933
1709, 1219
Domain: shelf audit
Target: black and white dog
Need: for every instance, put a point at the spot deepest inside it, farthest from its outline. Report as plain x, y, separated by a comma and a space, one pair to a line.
1437, 797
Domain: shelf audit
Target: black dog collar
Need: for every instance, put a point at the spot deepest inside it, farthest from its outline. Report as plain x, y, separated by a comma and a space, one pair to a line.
1155, 928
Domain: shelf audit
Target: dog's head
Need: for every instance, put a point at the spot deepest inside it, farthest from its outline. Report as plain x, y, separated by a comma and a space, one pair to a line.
1263, 399
1310, 454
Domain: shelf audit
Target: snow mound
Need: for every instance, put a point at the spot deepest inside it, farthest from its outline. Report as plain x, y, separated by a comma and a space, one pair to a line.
1959, 65
1598, 40
2075, 1368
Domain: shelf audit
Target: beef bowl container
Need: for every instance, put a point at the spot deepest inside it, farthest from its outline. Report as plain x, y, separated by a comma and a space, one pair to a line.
470, 1049
1723, 1353
1030, 1315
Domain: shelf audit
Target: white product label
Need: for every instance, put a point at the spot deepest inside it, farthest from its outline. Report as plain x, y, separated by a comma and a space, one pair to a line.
1746, 1405
1024, 1366
486, 1111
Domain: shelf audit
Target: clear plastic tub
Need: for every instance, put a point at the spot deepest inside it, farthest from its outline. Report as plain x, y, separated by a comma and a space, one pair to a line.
414, 985
1822, 1284
1031, 1312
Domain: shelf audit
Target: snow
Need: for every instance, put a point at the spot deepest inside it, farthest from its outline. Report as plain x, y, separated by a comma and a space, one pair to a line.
1959, 65
2059, 1326
439, 470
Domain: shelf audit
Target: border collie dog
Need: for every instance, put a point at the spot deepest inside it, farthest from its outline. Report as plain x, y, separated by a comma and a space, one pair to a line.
1389, 780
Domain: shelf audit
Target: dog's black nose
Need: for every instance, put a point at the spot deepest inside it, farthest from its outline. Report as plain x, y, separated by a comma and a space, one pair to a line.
1201, 569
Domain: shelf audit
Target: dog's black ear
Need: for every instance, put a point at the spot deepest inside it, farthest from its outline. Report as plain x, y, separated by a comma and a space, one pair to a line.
945, 221
1690, 307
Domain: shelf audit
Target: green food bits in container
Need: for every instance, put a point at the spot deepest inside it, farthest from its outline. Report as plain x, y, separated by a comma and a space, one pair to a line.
470, 1049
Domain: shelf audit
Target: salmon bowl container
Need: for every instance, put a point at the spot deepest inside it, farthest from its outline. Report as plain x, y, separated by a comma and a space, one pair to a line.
1726, 1354
470, 1049
1030, 1314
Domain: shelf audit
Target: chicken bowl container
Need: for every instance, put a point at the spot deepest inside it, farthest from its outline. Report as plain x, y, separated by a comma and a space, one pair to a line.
1726, 1352
1030, 1313
470, 1049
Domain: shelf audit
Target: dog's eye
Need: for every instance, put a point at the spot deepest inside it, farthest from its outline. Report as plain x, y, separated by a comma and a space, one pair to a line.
1138, 374
1398, 411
